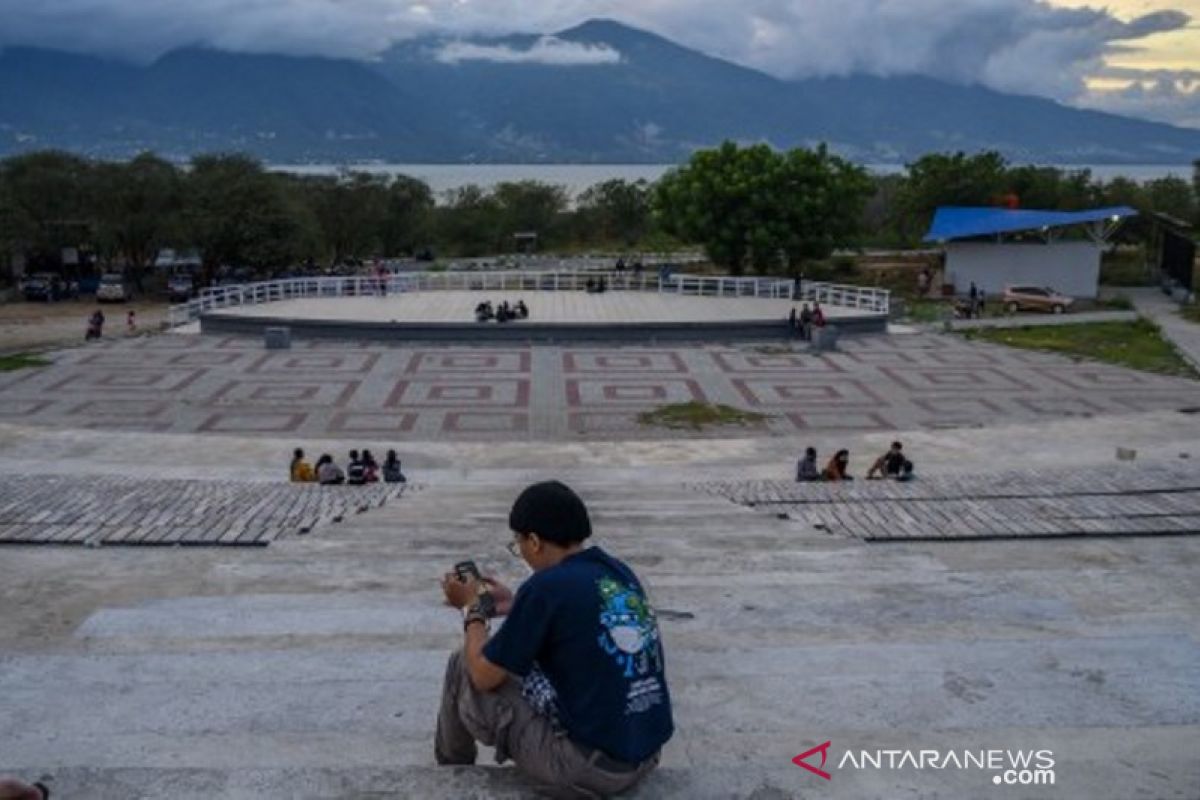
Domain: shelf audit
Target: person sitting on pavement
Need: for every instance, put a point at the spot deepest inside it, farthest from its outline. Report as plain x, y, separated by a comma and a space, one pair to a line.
329, 473
572, 687
522, 310
483, 312
301, 471
892, 464
391, 469
356, 471
806, 468
502, 313
838, 467
806, 322
370, 467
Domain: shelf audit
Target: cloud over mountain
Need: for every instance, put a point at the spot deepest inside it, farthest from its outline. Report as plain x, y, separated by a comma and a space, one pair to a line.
546, 50
1011, 45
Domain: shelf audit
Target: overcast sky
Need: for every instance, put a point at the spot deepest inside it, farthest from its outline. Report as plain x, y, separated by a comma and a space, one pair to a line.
1139, 57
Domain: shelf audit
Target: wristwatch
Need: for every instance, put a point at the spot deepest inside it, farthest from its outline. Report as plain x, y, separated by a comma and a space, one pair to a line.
474, 613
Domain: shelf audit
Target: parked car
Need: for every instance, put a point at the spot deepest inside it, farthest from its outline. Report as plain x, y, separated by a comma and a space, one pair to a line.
114, 288
1035, 298
180, 288
45, 287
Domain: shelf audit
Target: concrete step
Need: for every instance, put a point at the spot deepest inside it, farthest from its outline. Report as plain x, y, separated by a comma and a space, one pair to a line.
312, 668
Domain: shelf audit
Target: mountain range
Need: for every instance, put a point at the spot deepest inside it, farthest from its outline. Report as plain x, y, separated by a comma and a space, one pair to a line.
653, 101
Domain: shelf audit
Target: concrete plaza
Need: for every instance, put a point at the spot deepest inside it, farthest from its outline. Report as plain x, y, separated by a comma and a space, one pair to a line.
544, 306
384, 394
311, 668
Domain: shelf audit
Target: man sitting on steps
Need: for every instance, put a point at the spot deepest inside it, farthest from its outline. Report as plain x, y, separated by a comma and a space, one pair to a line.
572, 686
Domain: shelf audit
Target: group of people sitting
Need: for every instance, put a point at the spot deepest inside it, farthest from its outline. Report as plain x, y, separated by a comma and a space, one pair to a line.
361, 469
802, 323
892, 465
501, 313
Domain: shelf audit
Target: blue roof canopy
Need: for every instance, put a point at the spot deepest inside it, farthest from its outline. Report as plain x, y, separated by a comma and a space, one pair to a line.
961, 222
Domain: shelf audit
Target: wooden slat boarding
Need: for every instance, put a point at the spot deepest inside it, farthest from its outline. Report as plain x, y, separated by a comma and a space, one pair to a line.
1125, 501
101, 511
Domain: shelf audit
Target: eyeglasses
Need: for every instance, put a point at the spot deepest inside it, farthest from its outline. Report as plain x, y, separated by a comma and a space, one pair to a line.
514, 547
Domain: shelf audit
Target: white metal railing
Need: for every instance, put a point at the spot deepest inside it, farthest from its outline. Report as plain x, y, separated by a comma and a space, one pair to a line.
862, 298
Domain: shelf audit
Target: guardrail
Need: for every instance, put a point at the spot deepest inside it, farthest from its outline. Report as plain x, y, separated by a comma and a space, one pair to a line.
863, 298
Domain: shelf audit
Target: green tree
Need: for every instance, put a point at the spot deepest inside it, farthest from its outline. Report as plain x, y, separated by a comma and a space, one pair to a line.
237, 214
824, 197
138, 209
47, 205
1050, 188
469, 221
617, 210
351, 210
710, 200
1171, 196
1121, 191
528, 206
407, 216
943, 179
753, 206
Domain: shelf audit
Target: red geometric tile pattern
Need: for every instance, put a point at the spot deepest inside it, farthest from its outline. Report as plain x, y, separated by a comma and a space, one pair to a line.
354, 390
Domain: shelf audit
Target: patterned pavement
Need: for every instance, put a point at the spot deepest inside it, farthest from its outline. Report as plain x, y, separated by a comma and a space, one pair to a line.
351, 390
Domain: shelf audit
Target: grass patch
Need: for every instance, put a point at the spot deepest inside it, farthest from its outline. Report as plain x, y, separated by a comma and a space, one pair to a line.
21, 361
697, 416
1138, 345
926, 310
1118, 303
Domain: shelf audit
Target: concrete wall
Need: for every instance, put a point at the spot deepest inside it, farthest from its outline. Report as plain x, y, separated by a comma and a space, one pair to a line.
1072, 268
526, 332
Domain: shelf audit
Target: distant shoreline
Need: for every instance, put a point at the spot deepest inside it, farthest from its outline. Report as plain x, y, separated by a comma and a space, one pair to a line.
576, 178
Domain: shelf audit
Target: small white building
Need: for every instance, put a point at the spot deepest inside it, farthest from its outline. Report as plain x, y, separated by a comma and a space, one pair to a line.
998, 247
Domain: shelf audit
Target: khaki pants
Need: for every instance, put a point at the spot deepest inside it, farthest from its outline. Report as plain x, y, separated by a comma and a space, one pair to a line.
503, 719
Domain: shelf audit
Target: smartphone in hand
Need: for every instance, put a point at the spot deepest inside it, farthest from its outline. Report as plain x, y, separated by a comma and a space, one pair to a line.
465, 570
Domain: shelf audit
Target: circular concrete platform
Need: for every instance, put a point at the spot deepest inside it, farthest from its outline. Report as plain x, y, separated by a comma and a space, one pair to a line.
554, 316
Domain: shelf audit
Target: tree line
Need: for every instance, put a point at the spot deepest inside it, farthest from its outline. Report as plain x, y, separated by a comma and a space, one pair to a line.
752, 209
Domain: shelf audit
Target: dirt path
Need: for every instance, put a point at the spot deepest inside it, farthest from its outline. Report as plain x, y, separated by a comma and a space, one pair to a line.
33, 326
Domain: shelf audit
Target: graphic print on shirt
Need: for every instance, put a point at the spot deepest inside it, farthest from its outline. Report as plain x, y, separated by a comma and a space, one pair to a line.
630, 636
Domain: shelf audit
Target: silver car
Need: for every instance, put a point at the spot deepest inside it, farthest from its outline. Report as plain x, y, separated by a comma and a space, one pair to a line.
114, 288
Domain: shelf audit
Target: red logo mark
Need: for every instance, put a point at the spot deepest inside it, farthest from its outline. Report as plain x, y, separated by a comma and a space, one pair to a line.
823, 750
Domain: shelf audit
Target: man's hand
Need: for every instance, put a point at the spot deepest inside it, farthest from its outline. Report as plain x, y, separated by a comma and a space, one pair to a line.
459, 594
501, 594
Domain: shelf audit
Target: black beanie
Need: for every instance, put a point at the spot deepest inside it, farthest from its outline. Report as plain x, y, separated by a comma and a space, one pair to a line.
553, 512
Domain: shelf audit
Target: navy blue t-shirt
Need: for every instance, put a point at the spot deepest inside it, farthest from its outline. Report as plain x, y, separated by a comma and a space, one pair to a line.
586, 623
